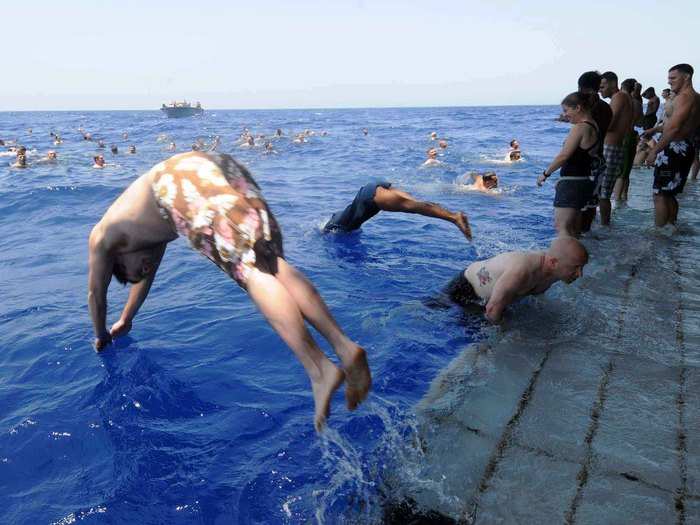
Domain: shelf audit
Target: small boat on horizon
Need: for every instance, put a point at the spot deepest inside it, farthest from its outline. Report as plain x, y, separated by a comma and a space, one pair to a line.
182, 109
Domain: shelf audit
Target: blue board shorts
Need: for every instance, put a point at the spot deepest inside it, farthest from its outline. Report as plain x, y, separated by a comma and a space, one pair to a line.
359, 211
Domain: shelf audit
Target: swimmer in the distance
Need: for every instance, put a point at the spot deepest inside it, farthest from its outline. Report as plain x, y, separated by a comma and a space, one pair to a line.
485, 182
99, 162
432, 159
51, 158
505, 278
20, 161
380, 196
514, 153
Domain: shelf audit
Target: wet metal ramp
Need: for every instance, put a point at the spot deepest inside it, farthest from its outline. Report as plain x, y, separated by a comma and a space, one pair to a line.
585, 406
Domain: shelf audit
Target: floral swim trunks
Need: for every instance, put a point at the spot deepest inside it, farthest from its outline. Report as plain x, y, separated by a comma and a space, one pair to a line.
213, 201
672, 168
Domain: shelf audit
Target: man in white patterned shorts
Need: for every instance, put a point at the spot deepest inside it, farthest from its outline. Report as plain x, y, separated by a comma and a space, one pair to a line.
674, 153
213, 201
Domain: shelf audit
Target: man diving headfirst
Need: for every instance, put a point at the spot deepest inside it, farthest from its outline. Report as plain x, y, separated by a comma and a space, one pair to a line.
213, 201
380, 196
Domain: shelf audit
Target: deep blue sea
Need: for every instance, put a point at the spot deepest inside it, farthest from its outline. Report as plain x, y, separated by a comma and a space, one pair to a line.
202, 414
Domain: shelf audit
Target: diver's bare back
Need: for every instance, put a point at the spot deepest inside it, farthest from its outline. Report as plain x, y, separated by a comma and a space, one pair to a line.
483, 275
133, 222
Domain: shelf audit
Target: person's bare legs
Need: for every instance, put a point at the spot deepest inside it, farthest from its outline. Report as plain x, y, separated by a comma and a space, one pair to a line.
357, 375
696, 165
565, 221
625, 188
662, 210
281, 311
673, 214
605, 210
586, 219
396, 200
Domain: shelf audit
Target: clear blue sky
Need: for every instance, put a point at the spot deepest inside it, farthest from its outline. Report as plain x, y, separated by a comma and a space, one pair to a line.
299, 53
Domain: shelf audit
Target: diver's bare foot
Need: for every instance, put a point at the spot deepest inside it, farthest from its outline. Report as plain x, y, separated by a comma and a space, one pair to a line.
463, 224
331, 378
358, 379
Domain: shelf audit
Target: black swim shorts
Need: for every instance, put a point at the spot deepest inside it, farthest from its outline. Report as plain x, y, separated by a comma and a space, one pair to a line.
672, 168
461, 291
574, 193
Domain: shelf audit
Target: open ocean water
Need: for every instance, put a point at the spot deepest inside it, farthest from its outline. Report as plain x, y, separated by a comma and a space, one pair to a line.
202, 414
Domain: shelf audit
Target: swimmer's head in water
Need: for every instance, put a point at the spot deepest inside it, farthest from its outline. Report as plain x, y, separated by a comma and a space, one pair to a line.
433, 135
51, 155
132, 149
514, 144
114, 149
490, 180
99, 160
134, 266
432, 153
443, 144
566, 258
514, 155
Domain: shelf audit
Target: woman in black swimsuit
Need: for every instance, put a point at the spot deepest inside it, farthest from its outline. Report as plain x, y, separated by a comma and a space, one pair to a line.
579, 161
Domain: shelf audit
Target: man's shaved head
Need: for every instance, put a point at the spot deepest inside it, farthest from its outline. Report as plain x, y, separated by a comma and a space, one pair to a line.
568, 248
567, 257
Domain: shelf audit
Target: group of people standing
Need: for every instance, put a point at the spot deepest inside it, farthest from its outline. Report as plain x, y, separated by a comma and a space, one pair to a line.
597, 157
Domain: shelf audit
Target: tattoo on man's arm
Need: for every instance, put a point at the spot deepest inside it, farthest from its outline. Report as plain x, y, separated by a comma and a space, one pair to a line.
483, 275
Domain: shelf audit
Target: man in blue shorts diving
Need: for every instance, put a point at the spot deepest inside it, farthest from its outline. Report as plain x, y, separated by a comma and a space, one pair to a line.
380, 196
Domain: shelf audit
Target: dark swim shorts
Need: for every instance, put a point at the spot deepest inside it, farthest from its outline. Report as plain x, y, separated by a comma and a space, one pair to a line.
213, 201
672, 168
574, 193
629, 144
360, 210
461, 291
649, 121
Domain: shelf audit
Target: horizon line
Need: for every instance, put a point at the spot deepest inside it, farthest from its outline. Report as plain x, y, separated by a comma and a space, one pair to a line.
310, 108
